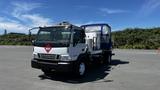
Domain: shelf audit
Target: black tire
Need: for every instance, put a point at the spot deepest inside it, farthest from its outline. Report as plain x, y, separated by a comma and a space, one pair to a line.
47, 71
107, 59
80, 69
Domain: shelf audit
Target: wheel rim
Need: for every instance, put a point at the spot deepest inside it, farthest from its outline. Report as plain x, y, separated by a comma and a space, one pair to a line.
82, 68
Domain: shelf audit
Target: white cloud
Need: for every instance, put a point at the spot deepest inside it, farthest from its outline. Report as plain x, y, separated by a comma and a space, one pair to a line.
24, 18
22, 12
13, 26
113, 11
5, 19
149, 7
36, 20
23, 7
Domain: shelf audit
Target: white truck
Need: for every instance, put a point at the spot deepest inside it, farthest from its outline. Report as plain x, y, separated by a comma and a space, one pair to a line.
69, 48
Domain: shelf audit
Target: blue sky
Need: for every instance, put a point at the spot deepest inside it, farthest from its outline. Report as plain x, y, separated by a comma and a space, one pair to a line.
20, 15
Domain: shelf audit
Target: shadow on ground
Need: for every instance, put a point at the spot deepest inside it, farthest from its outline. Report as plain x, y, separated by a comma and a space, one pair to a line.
94, 74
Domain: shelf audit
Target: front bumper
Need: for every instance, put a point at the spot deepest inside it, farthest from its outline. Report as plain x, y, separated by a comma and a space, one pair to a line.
53, 65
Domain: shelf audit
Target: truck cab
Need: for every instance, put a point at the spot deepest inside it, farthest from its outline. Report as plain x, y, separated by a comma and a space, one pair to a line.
69, 48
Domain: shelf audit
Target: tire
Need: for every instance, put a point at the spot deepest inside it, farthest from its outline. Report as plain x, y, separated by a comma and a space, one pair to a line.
80, 69
46, 71
107, 59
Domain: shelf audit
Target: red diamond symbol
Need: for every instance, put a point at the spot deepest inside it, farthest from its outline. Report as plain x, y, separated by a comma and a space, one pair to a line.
48, 48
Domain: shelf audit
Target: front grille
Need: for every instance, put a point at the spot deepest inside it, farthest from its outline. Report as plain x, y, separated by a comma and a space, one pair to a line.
54, 57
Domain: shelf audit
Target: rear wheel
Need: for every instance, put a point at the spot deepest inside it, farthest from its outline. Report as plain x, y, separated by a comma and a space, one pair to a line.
107, 59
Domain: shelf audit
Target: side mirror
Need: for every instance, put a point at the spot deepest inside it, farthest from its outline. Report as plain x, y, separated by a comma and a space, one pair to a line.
33, 42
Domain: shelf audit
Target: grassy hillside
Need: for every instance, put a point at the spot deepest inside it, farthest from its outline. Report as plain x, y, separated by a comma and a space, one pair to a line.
15, 39
137, 38
128, 39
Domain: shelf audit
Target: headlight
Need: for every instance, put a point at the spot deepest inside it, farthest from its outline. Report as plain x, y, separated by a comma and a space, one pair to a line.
65, 58
35, 56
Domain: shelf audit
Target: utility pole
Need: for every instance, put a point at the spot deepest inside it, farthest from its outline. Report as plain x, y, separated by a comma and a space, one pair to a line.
5, 32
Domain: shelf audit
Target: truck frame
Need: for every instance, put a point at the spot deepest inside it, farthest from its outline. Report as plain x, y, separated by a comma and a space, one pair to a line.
69, 48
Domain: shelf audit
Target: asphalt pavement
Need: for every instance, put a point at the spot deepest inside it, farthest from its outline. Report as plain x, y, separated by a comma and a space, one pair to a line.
130, 70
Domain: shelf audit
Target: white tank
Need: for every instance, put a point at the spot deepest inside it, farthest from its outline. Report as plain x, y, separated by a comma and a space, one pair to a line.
89, 42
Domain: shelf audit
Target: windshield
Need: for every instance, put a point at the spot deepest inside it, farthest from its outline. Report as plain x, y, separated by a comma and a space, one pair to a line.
56, 36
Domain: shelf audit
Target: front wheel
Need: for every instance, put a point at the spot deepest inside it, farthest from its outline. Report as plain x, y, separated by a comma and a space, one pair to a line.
81, 69
46, 71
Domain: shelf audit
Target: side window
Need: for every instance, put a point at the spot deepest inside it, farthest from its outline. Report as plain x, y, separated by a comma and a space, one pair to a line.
105, 34
79, 36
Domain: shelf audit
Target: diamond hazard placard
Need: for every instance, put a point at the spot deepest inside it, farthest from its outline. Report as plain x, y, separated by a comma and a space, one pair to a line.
48, 47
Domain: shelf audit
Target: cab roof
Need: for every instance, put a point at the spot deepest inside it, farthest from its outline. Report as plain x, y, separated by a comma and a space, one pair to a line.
63, 25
